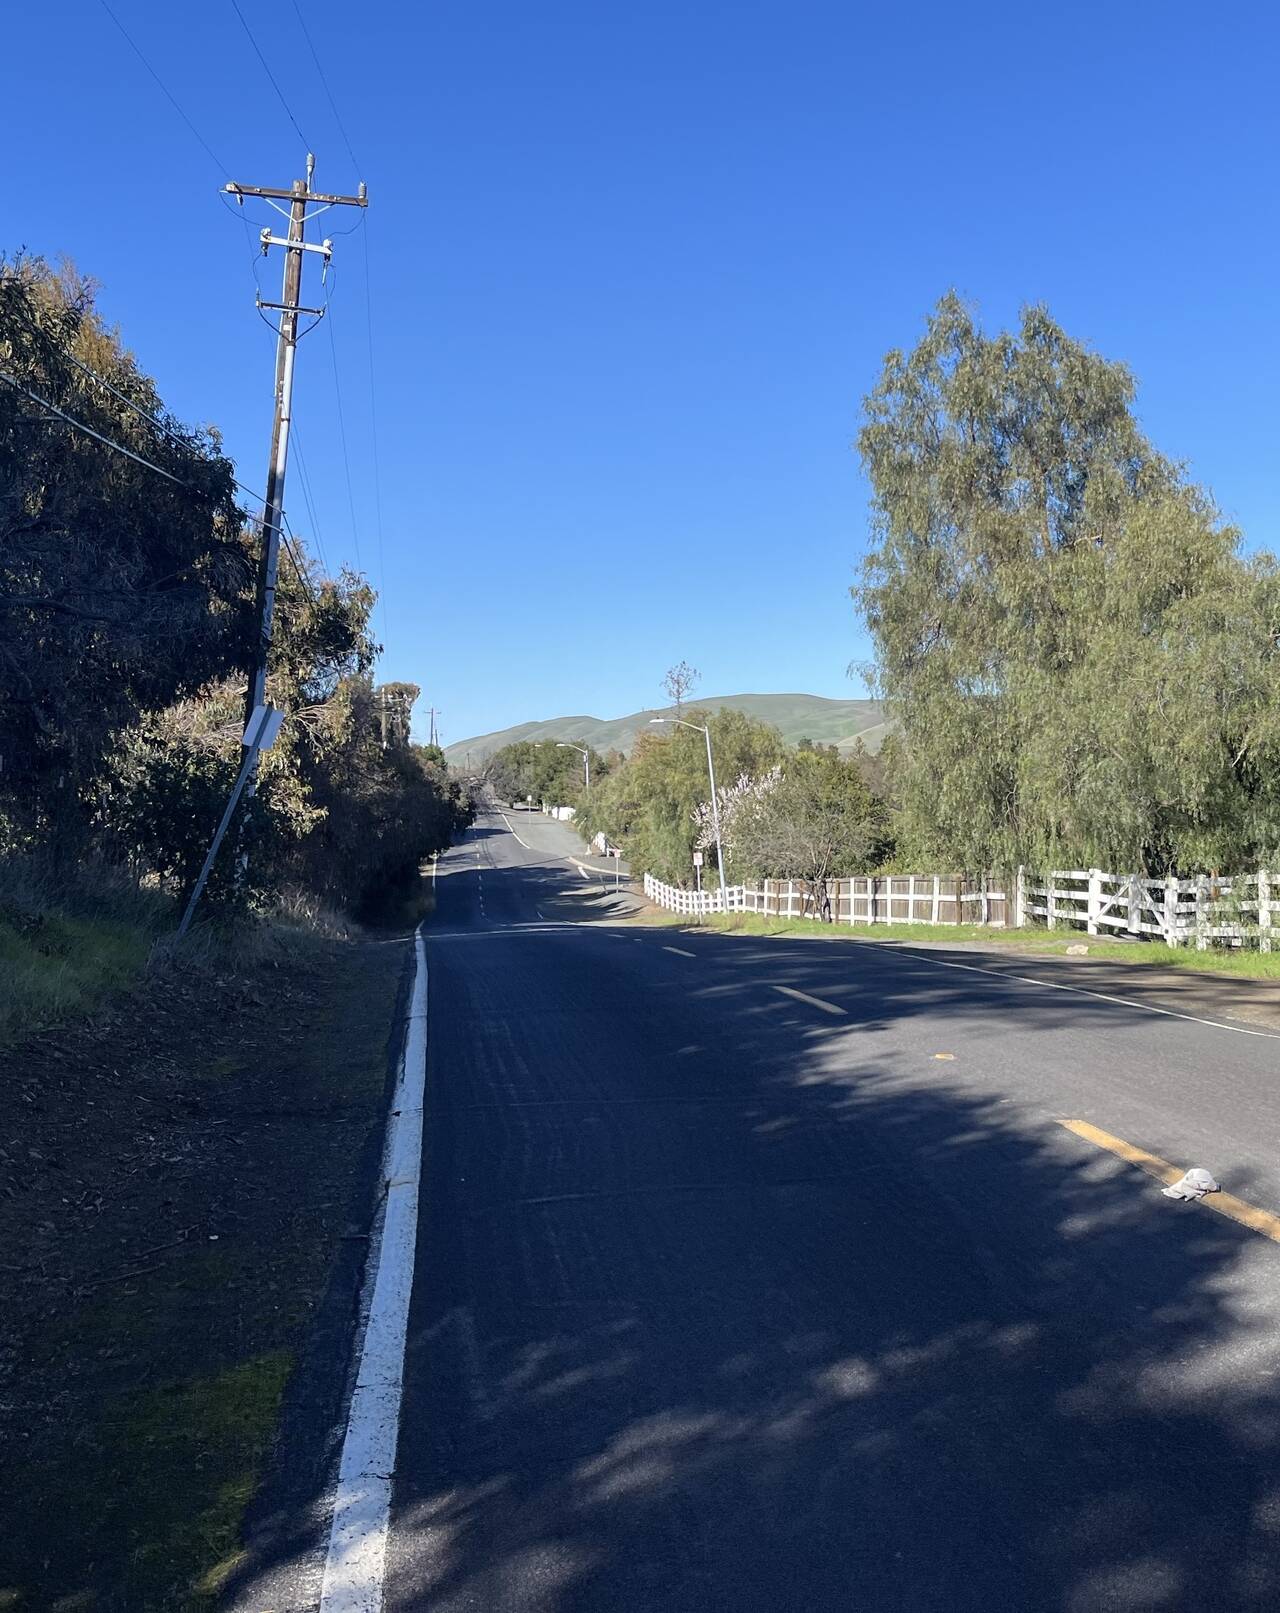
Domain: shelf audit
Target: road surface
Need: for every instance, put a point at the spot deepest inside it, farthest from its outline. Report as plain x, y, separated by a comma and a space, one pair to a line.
761, 1274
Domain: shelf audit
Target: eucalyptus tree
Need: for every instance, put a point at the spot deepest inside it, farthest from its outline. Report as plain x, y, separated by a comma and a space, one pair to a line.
1080, 663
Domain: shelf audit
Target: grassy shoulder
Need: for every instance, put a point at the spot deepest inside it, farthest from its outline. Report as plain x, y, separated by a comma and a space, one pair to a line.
1240, 964
68, 947
188, 1167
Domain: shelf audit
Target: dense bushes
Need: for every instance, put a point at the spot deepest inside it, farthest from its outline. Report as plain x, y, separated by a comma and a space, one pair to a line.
126, 630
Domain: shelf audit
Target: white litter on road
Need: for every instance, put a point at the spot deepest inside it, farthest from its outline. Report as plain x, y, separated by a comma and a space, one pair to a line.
1194, 1185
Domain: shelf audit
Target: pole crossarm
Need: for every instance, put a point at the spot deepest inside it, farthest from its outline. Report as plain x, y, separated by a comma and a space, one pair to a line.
304, 195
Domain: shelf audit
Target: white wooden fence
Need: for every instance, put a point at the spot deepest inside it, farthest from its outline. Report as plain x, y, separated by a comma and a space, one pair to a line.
1239, 911
870, 899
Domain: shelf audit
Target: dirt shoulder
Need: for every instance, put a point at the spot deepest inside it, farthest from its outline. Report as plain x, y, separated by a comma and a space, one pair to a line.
183, 1182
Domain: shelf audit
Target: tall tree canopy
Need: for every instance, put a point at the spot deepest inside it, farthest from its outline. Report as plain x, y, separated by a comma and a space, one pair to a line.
120, 588
1081, 664
650, 804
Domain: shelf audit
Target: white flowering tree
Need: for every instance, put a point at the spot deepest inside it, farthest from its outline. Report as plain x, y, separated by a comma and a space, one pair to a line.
812, 819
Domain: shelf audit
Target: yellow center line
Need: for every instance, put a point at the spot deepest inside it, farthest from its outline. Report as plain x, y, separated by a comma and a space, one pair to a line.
816, 1002
1248, 1215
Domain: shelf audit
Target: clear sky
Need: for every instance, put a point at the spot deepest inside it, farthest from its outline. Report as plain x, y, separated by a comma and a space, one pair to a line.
632, 271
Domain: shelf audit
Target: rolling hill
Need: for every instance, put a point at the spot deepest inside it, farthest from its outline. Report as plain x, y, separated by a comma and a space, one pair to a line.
797, 716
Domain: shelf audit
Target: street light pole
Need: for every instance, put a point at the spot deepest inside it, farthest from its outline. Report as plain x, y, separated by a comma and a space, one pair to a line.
562, 744
715, 818
715, 804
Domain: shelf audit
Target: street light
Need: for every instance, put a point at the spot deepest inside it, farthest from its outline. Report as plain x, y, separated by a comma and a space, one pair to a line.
562, 744
715, 805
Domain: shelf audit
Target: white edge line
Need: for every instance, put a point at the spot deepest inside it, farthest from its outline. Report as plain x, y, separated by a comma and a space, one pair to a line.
512, 827
1084, 991
585, 869
355, 1565
681, 951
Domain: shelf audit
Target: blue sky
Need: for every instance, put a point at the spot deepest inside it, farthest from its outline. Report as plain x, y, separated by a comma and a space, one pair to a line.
632, 271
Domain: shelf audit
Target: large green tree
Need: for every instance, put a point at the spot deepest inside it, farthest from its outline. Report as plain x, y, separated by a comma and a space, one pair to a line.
123, 586
650, 805
1081, 665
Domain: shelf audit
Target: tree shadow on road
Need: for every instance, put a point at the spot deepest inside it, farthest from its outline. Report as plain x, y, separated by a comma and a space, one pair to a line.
833, 1333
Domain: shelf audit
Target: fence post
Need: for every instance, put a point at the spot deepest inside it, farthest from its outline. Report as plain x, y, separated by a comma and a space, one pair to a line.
937, 898
1050, 905
1202, 908
1264, 910
1095, 901
1133, 911
1020, 899
1171, 934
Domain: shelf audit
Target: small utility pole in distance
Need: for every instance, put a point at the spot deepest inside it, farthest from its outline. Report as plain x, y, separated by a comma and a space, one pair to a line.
300, 196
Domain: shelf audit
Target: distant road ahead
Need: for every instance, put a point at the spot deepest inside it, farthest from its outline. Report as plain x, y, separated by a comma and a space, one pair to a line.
760, 1275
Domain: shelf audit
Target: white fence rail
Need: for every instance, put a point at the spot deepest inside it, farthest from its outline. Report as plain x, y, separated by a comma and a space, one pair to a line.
870, 899
1243, 910
1239, 910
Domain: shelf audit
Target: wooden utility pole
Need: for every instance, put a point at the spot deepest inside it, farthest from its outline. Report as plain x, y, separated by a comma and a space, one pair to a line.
300, 197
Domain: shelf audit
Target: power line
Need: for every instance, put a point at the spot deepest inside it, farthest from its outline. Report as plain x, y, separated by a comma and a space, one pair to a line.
90, 432
342, 431
333, 105
307, 496
289, 541
362, 222
235, 6
166, 91
373, 422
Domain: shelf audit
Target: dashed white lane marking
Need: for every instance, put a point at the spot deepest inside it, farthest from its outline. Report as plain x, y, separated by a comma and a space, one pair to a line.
816, 1002
355, 1565
1084, 991
681, 951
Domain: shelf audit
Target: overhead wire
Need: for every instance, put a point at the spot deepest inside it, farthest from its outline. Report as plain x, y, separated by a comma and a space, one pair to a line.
362, 224
304, 477
235, 6
373, 422
342, 433
108, 442
165, 90
333, 105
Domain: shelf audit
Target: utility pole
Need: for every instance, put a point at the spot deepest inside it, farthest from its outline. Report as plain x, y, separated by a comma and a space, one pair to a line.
434, 741
300, 197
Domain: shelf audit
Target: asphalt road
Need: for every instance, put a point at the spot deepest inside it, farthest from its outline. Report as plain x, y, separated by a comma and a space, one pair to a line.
729, 1298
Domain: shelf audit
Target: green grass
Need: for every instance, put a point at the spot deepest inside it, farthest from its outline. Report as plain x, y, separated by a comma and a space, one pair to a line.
59, 966
173, 1469
1149, 954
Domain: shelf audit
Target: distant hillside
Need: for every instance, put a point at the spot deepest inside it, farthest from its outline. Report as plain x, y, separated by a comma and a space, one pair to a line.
797, 716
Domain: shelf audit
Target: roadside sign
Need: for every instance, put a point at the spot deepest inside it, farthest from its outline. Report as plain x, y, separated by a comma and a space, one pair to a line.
261, 729
697, 859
